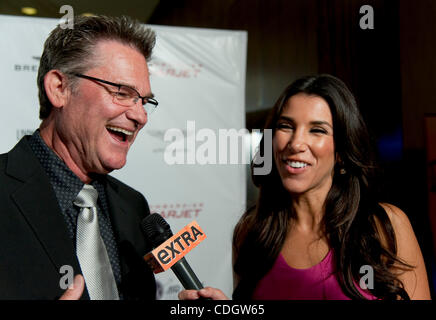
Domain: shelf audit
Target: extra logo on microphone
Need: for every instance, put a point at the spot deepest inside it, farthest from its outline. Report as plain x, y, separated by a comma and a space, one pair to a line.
168, 253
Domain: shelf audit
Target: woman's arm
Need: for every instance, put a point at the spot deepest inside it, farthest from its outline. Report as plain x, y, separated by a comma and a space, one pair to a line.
415, 281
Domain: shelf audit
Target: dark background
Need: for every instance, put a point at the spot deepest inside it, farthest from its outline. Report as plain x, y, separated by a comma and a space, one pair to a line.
391, 70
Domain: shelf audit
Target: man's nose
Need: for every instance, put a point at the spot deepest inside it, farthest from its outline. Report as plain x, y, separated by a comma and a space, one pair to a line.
137, 113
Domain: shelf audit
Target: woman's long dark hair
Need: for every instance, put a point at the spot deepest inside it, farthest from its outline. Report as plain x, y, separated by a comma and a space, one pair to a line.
354, 223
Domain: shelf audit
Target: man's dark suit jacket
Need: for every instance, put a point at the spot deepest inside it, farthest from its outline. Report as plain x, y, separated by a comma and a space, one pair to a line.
34, 240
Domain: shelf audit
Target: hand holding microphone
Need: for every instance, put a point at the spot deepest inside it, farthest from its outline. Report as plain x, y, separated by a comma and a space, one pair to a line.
170, 249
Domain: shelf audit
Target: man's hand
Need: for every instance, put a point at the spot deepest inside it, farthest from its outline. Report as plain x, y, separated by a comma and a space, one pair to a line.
74, 292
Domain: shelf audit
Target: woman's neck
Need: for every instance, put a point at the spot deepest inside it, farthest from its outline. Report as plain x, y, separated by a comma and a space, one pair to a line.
309, 210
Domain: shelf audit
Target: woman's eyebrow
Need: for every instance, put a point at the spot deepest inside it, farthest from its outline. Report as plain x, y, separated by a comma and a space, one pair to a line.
319, 122
315, 122
286, 118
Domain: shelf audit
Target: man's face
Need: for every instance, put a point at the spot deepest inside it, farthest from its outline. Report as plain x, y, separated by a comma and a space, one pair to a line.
90, 122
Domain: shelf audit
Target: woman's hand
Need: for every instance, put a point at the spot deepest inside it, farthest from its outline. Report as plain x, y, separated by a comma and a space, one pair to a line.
208, 292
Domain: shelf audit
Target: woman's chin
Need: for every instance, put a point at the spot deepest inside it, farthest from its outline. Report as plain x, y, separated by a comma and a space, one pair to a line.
295, 189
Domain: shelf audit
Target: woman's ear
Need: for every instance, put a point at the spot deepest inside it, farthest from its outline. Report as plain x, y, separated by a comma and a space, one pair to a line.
340, 164
338, 159
55, 84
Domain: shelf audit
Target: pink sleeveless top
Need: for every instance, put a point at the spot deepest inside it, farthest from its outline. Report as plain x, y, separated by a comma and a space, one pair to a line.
283, 282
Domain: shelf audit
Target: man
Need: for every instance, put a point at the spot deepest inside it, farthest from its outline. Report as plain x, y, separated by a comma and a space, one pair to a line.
60, 211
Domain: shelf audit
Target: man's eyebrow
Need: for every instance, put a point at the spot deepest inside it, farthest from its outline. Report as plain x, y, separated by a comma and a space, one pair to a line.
151, 95
125, 84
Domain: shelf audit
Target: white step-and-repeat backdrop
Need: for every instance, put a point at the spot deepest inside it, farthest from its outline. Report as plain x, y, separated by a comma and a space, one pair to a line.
179, 161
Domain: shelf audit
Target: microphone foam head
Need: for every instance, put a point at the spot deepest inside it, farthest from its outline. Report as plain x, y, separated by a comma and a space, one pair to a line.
156, 229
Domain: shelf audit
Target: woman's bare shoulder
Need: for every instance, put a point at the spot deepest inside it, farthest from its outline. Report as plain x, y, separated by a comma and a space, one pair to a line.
415, 280
397, 217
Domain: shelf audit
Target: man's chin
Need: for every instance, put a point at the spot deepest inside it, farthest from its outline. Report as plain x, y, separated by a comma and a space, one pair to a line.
112, 165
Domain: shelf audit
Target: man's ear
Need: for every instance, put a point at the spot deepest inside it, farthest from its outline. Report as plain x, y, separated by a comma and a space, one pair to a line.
55, 84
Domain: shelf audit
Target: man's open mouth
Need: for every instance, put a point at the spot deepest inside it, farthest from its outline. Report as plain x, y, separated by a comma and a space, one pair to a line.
119, 133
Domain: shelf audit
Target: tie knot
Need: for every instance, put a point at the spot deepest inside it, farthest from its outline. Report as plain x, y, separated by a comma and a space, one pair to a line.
87, 197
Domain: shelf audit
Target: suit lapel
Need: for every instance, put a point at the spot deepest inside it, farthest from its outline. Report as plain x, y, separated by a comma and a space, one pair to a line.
138, 280
122, 222
37, 202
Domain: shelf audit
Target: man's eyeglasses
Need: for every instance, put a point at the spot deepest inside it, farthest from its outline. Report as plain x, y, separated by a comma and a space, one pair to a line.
126, 96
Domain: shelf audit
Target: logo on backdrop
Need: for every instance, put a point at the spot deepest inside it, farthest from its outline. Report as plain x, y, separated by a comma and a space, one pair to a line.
178, 210
167, 289
22, 132
166, 69
28, 67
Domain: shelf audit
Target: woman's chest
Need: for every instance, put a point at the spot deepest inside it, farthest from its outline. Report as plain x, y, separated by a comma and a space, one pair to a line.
304, 250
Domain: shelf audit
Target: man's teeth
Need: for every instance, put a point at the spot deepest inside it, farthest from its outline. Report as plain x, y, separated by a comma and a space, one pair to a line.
129, 133
296, 164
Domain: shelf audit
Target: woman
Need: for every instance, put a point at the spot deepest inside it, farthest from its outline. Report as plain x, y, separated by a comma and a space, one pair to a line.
317, 223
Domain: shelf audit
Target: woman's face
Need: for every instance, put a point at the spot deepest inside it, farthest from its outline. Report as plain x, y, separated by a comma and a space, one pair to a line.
303, 145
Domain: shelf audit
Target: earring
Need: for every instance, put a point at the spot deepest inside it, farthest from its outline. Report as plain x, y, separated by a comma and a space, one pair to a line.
342, 171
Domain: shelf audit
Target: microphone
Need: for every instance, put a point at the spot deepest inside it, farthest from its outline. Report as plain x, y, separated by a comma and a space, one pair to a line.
158, 232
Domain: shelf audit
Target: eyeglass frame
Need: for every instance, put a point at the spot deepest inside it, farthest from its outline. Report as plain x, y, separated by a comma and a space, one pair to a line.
145, 100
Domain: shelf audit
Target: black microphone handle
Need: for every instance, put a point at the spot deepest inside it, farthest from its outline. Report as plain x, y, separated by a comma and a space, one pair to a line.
186, 276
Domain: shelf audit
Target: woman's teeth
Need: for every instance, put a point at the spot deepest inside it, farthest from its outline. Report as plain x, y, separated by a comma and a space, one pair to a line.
296, 164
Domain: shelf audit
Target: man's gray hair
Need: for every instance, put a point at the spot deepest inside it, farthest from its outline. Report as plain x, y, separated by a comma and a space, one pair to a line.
72, 50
